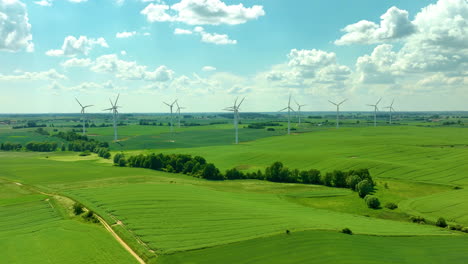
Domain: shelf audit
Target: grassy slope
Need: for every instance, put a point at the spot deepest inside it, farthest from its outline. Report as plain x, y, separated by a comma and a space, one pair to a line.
31, 228
330, 247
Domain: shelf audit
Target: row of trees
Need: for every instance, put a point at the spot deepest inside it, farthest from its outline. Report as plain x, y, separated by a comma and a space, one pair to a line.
8, 146
42, 146
358, 180
81, 143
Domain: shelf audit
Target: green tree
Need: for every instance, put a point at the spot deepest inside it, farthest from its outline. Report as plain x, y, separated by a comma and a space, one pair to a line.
372, 202
339, 179
364, 188
210, 172
352, 181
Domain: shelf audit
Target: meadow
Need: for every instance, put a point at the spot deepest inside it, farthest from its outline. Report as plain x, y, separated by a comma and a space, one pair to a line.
175, 218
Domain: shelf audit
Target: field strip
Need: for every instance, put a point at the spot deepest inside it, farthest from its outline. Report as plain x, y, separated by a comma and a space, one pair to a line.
102, 221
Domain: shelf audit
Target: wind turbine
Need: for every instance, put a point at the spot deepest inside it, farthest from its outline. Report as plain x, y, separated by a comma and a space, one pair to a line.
83, 116
115, 112
235, 108
391, 109
289, 114
171, 106
178, 111
338, 111
299, 106
375, 111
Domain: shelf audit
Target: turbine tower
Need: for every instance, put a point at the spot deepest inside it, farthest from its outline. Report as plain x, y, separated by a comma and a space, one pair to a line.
289, 114
171, 106
391, 109
299, 106
178, 111
235, 108
375, 111
83, 116
337, 112
115, 112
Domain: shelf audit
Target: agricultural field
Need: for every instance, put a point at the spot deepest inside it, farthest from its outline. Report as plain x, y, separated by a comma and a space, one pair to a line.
175, 218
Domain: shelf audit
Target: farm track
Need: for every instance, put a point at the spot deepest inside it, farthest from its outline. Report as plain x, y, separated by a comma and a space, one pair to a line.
101, 220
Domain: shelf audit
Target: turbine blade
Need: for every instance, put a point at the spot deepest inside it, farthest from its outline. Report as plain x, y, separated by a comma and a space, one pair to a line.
241, 102
378, 101
116, 100
392, 102
167, 104
332, 102
343, 101
283, 109
78, 102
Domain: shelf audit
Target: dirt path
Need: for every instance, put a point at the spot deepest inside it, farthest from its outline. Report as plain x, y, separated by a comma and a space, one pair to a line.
103, 222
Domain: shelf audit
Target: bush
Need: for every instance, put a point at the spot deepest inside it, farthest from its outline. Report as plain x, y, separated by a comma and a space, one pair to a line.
85, 153
77, 208
270, 129
347, 231
464, 229
122, 162
441, 222
418, 219
391, 206
364, 188
456, 227
89, 216
372, 202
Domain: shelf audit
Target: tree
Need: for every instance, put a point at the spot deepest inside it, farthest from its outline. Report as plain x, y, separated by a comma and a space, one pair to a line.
364, 188
339, 179
272, 173
234, 174
210, 172
441, 222
372, 202
352, 181
327, 179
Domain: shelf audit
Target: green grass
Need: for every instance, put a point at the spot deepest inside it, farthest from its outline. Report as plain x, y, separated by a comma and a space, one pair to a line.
33, 230
330, 247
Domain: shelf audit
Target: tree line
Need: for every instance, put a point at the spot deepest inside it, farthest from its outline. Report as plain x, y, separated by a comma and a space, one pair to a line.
358, 180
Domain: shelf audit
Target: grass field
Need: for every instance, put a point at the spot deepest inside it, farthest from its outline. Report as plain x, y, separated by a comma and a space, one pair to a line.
34, 230
190, 220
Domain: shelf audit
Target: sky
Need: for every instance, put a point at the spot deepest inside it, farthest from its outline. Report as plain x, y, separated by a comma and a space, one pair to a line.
207, 53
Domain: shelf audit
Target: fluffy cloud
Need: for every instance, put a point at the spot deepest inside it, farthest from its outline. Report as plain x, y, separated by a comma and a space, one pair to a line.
440, 45
202, 12
74, 62
179, 31
44, 2
394, 24
130, 70
15, 30
51, 74
218, 39
125, 34
208, 68
81, 46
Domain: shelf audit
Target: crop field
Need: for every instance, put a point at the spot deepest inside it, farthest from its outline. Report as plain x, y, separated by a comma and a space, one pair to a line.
32, 227
176, 218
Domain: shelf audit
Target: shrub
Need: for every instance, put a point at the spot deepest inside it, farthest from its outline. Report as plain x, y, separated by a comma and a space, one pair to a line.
441, 222
77, 208
418, 219
372, 202
364, 188
391, 206
122, 162
89, 216
352, 181
270, 129
456, 227
85, 153
346, 231
464, 229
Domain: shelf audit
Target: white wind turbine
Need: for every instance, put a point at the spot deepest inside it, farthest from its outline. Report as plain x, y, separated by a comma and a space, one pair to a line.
171, 106
391, 109
115, 112
299, 106
375, 111
338, 111
235, 108
289, 114
83, 116
178, 111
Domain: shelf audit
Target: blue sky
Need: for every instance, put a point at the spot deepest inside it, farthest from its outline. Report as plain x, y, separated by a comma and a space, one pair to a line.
208, 52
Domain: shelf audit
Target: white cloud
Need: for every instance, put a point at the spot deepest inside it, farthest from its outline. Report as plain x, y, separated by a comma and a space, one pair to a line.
15, 30
44, 2
379, 67
81, 46
130, 70
179, 31
74, 62
123, 52
125, 34
146, 34
394, 24
51, 74
161, 74
202, 12
218, 39
77, 1
208, 68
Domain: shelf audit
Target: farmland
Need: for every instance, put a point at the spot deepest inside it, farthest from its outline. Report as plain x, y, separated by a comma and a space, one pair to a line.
175, 218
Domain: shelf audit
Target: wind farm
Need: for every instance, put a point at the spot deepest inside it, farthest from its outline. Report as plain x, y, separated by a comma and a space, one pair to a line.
233, 132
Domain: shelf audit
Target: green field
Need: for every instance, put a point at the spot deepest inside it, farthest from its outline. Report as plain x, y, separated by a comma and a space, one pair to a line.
174, 218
